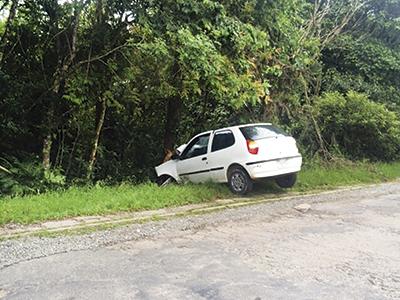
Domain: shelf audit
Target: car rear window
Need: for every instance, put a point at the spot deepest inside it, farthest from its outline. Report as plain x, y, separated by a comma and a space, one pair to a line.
222, 140
258, 132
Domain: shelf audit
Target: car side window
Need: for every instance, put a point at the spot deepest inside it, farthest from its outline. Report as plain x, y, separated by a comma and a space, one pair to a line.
222, 140
197, 147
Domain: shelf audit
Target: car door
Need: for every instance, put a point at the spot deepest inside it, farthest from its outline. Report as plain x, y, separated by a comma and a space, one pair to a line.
220, 156
193, 165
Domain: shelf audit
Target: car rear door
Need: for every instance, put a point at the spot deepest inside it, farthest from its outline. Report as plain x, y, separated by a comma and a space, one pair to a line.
193, 165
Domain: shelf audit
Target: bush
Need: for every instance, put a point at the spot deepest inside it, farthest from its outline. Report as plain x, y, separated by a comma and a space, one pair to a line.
21, 178
358, 126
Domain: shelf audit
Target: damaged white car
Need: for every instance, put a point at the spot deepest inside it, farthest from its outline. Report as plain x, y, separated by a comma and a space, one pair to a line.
235, 155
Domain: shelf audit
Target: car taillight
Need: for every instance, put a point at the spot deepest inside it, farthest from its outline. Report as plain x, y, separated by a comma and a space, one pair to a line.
252, 147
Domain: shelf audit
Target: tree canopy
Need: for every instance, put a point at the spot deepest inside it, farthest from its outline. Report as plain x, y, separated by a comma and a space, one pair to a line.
105, 89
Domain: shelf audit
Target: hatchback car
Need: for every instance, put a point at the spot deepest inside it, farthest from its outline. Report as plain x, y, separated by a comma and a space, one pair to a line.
235, 155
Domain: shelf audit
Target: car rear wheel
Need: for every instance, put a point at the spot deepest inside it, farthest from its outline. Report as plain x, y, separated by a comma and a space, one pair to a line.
239, 181
165, 180
286, 181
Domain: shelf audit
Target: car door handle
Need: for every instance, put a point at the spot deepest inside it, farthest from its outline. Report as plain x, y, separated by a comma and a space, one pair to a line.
204, 158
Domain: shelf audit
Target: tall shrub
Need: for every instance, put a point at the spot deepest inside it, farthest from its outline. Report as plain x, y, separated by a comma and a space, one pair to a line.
360, 127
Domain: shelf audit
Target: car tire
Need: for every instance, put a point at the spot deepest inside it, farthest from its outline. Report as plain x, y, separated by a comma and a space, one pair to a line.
239, 181
286, 181
165, 180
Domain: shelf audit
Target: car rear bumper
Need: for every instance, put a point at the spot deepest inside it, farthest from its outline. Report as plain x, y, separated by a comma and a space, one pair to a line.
274, 167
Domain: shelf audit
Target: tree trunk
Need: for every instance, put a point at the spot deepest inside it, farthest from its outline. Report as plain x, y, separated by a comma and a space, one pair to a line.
10, 20
46, 151
59, 78
71, 155
317, 129
174, 107
100, 105
48, 138
100, 116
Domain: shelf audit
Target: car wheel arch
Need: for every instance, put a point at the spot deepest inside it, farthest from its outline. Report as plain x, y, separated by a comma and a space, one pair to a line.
233, 166
169, 175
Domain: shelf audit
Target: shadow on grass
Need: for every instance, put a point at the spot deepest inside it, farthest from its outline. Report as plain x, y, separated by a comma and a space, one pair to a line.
263, 187
266, 187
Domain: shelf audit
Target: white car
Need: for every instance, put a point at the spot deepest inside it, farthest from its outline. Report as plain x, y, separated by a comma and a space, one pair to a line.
235, 155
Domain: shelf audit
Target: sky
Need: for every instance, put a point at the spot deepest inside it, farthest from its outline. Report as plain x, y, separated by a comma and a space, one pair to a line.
4, 13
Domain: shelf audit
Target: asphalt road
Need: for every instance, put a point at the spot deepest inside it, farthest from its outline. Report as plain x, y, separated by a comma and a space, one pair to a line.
347, 246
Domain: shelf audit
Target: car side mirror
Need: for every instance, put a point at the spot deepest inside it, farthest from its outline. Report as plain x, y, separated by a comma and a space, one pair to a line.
175, 156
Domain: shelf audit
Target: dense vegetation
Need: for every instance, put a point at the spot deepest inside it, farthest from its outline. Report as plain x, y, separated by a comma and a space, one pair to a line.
103, 89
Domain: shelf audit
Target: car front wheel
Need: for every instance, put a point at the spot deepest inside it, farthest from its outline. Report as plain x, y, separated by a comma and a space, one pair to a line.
165, 180
239, 181
286, 181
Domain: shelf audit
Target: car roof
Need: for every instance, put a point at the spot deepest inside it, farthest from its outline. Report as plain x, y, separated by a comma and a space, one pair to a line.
231, 127
242, 125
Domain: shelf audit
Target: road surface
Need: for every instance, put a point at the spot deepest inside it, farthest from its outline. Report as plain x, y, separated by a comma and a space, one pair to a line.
346, 246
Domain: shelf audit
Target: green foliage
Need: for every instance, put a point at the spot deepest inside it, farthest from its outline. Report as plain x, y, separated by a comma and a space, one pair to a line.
20, 178
224, 62
366, 59
360, 127
2, 27
367, 66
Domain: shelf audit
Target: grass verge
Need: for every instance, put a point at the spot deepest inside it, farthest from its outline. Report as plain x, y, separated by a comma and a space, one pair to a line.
323, 177
79, 201
86, 201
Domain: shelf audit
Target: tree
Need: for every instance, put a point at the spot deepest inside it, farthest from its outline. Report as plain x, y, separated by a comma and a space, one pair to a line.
204, 56
366, 58
105, 89
7, 27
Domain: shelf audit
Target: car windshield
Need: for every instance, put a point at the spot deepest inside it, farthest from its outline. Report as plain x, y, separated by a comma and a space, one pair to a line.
258, 132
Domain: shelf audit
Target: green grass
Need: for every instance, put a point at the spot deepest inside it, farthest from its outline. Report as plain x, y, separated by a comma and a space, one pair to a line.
80, 201
322, 177
84, 201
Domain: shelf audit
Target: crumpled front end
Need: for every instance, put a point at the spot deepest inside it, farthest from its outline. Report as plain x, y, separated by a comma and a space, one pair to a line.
168, 168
